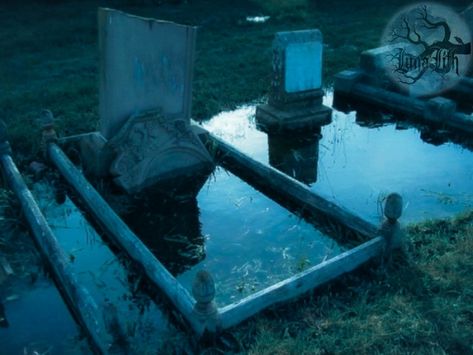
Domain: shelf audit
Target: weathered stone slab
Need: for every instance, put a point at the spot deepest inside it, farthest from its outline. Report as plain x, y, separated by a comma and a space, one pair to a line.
373, 64
154, 152
346, 80
145, 64
440, 109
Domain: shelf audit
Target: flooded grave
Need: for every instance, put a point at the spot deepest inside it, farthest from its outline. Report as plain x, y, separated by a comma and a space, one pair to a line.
189, 222
247, 241
356, 164
244, 239
258, 244
38, 315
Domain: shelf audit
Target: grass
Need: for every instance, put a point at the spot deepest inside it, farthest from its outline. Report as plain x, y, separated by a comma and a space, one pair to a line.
49, 53
419, 303
16, 244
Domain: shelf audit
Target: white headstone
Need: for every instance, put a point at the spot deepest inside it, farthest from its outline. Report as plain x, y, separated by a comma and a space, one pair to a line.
145, 64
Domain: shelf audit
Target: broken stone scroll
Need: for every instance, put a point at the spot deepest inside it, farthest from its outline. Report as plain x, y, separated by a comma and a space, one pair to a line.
151, 150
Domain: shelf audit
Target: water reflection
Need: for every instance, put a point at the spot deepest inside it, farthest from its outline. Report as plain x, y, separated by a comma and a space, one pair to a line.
114, 285
243, 238
171, 229
365, 154
296, 157
372, 117
257, 19
35, 320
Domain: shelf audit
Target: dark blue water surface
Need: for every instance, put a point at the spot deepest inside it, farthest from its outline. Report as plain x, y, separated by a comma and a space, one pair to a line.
244, 239
39, 321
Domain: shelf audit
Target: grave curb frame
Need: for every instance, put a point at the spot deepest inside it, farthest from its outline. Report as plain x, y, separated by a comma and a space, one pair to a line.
232, 314
81, 304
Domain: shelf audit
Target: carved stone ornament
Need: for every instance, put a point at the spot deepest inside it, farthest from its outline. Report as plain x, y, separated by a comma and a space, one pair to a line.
153, 152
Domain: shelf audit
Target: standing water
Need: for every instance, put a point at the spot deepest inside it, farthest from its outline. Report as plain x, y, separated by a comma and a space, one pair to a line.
355, 166
244, 239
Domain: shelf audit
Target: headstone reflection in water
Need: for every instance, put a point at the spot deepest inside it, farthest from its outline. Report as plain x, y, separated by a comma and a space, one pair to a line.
171, 230
296, 157
356, 155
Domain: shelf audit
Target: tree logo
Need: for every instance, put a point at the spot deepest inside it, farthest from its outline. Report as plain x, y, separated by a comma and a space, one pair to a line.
429, 49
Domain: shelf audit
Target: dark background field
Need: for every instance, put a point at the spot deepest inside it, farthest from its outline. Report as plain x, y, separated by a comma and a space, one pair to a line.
49, 56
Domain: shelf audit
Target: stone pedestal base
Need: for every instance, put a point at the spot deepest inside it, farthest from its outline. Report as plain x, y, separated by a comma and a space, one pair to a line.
270, 119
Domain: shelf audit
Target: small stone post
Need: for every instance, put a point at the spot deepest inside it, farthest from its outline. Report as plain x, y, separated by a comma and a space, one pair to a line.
391, 228
49, 134
203, 290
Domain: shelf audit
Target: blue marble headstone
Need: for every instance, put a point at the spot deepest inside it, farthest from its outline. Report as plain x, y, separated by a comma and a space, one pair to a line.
295, 97
303, 67
297, 67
